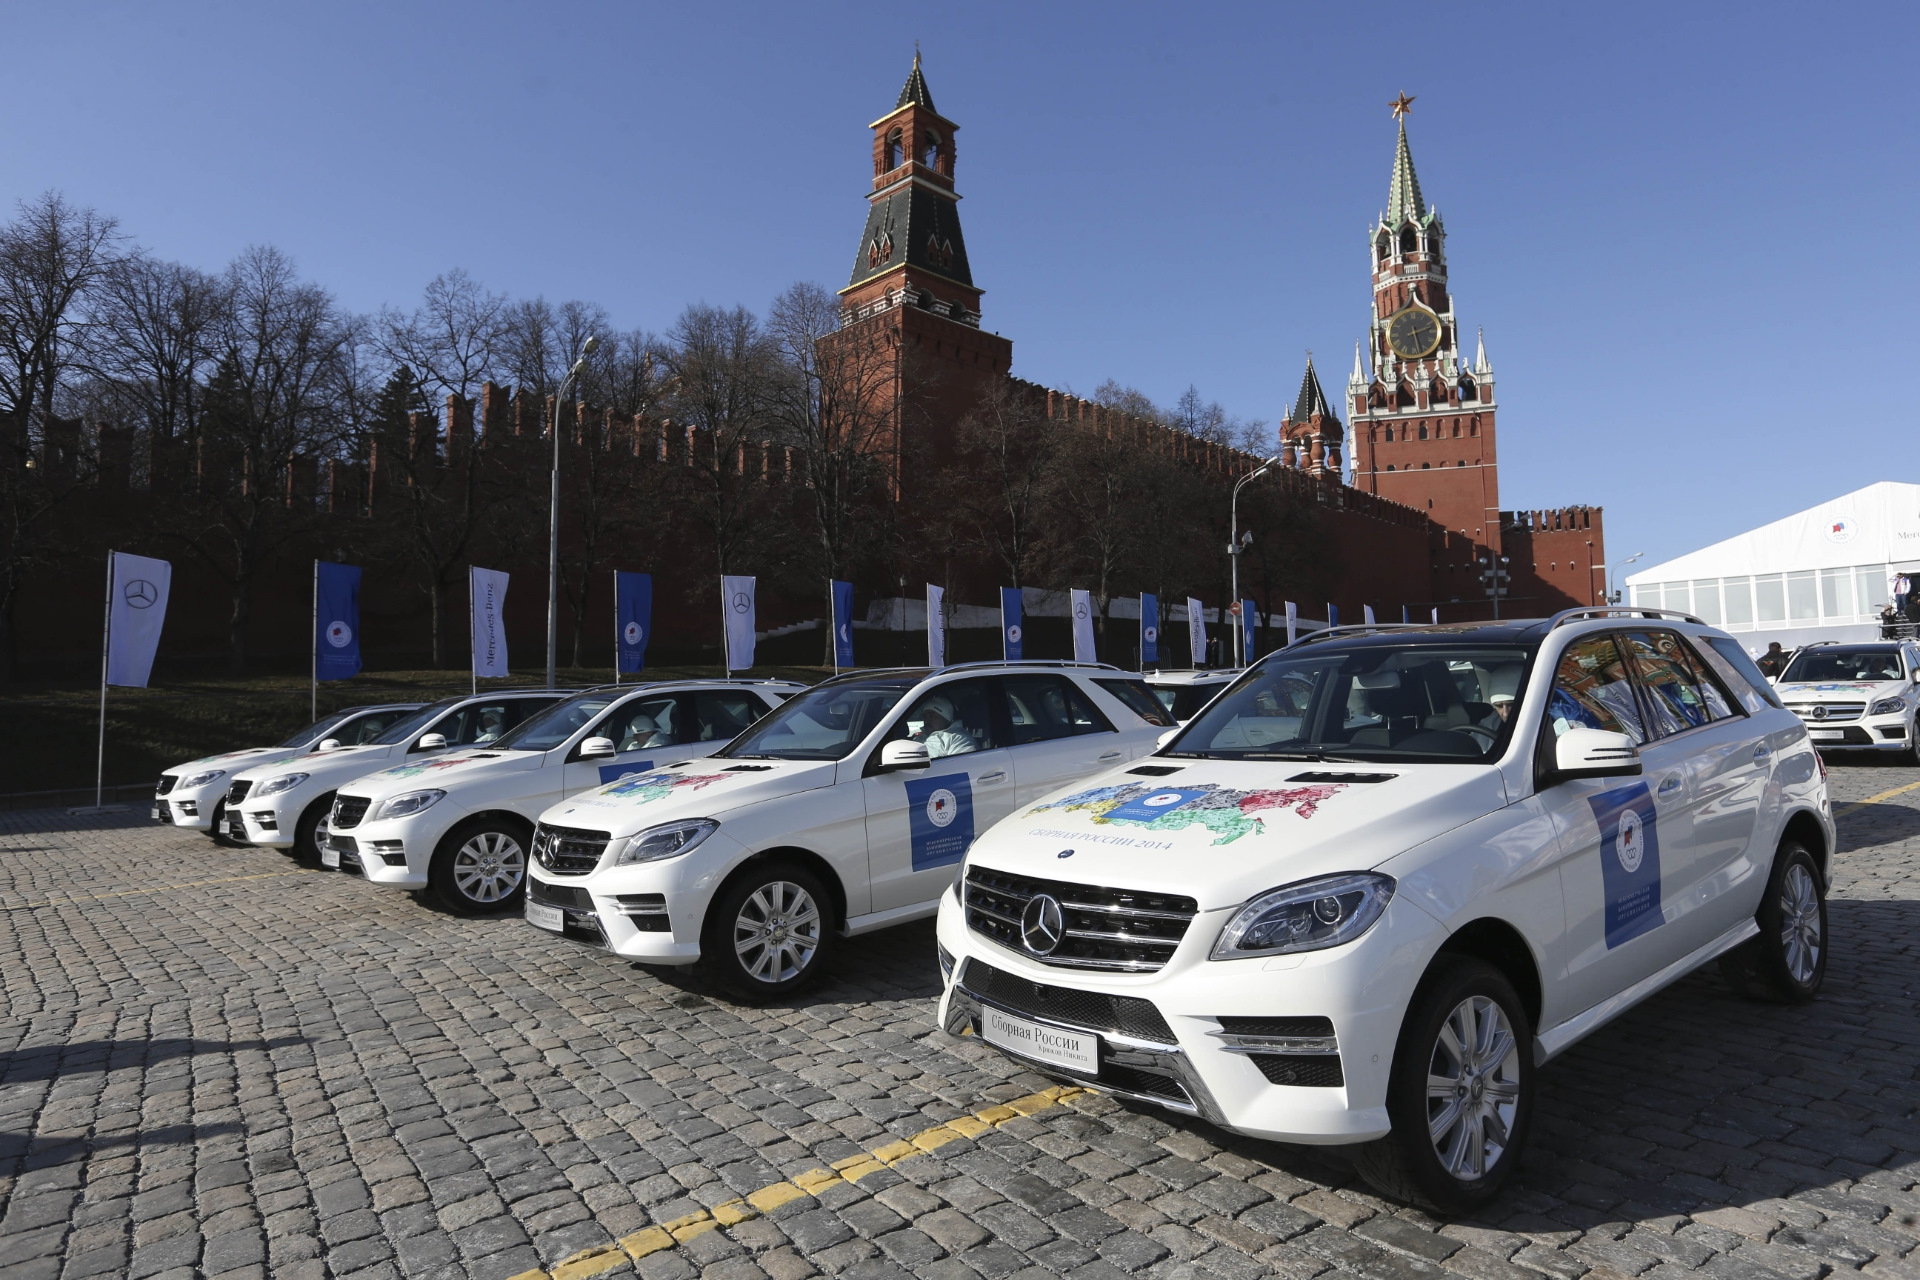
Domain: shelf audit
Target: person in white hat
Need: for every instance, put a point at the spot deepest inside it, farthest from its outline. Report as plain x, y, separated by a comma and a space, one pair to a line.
941, 730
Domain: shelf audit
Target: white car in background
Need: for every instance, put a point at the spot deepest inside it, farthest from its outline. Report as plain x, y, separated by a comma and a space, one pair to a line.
1356, 902
1183, 693
1856, 697
461, 823
846, 810
193, 795
283, 805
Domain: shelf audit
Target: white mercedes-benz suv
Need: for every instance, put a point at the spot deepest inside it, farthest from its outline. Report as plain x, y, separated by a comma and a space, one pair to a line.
1358, 901
461, 823
1856, 697
846, 810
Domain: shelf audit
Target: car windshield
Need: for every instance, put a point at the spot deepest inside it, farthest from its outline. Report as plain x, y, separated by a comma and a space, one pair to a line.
1869, 663
1185, 700
1442, 701
821, 724
314, 731
554, 725
403, 729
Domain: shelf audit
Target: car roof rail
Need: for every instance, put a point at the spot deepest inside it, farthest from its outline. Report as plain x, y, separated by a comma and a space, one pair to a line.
1362, 628
1591, 612
1029, 662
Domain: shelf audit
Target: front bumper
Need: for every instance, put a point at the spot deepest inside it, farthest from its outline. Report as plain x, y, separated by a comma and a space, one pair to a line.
188, 810
1867, 733
394, 854
269, 822
653, 912
1278, 1083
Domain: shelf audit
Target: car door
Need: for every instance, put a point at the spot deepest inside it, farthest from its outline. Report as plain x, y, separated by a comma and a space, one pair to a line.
920, 822
1729, 760
1057, 735
1621, 838
642, 731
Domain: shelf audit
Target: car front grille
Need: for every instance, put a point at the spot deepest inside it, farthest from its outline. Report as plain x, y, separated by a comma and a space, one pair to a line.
1126, 1015
1827, 712
165, 784
238, 792
347, 812
1102, 928
568, 851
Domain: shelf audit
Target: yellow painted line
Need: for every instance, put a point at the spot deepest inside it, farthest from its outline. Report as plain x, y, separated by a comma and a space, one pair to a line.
604, 1258
159, 888
1872, 800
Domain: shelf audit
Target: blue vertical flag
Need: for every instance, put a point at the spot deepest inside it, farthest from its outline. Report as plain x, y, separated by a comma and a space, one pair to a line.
1149, 630
336, 644
1249, 616
843, 624
1333, 617
633, 613
1012, 622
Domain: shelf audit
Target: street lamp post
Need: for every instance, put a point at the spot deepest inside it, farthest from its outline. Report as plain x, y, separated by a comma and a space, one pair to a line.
1608, 569
1234, 548
591, 345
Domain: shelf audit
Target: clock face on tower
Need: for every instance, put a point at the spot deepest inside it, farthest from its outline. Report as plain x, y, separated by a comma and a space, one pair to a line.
1413, 333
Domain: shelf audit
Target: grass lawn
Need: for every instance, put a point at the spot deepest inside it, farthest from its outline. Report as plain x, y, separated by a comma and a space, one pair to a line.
51, 729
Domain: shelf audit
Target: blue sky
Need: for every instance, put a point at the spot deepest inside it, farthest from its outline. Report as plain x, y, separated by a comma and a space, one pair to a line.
1685, 229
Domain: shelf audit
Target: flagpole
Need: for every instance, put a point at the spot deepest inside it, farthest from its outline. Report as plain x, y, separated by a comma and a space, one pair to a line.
314, 635
726, 658
106, 645
616, 626
473, 655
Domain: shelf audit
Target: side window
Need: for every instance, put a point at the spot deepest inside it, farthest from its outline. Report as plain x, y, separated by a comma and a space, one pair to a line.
1139, 698
1591, 691
721, 715
953, 719
640, 724
366, 728
1758, 691
1087, 718
1681, 695
1043, 708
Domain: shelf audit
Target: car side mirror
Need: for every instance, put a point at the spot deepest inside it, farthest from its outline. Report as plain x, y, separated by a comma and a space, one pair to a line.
596, 747
328, 744
904, 755
1167, 737
431, 742
1595, 753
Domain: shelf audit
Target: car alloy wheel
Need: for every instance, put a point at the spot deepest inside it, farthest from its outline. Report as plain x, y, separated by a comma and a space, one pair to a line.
1801, 935
1787, 959
1473, 1088
776, 932
488, 868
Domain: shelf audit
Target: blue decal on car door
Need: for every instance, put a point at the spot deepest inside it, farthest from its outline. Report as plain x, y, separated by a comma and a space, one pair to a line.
939, 819
1629, 861
615, 772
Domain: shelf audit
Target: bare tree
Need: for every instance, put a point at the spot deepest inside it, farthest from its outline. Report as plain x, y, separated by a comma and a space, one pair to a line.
52, 259
454, 340
722, 365
999, 490
157, 340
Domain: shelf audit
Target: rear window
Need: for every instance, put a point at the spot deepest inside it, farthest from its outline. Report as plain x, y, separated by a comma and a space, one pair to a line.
1738, 659
1137, 697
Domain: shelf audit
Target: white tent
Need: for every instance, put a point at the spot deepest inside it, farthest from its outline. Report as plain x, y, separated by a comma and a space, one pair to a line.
1819, 575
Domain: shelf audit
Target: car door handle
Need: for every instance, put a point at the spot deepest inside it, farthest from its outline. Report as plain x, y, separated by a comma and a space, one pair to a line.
998, 775
1113, 755
1669, 784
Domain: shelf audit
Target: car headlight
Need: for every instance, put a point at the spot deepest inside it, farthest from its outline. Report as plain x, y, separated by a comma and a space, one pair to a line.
285, 782
202, 779
669, 841
407, 803
1889, 706
1308, 916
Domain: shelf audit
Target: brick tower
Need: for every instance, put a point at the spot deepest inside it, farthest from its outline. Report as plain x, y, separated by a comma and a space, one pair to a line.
1422, 417
1310, 434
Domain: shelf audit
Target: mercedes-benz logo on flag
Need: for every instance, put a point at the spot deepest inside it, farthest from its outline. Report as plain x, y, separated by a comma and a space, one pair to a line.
1080, 610
632, 633
141, 594
1042, 925
339, 634
740, 602
1013, 633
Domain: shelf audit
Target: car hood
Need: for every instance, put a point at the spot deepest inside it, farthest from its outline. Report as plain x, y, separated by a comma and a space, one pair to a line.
449, 770
231, 760
694, 789
1223, 831
1840, 690
334, 766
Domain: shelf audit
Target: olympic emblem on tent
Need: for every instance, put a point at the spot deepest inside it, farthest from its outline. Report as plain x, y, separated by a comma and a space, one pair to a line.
632, 633
741, 602
1014, 633
1840, 530
141, 594
339, 634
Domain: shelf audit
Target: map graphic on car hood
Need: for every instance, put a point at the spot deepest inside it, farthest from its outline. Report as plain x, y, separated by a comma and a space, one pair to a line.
1228, 812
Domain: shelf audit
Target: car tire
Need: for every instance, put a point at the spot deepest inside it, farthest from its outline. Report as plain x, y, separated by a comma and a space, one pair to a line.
1438, 1153
1911, 756
769, 931
306, 842
1787, 962
481, 865
217, 830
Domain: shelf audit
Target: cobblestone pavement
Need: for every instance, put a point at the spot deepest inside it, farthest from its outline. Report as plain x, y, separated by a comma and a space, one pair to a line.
217, 1062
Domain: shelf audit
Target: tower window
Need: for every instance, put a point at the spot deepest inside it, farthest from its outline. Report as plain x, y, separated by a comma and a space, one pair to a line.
893, 150
1409, 241
930, 150
1389, 466
1423, 433
1473, 428
1426, 466
1456, 428
1389, 435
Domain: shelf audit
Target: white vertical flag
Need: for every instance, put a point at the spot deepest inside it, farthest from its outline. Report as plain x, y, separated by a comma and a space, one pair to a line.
1366, 612
936, 626
1083, 647
1197, 631
1293, 621
138, 609
489, 622
736, 598
1436, 614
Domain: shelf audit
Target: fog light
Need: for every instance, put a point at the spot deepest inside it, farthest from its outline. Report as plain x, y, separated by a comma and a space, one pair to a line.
191, 808
946, 961
266, 821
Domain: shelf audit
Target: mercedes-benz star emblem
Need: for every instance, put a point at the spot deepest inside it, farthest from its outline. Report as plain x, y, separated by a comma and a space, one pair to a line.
1819, 713
141, 594
740, 602
1041, 924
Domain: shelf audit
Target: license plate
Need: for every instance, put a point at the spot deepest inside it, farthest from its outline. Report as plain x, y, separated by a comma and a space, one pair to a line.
1828, 735
236, 827
543, 916
156, 811
329, 857
1077, 1049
